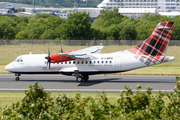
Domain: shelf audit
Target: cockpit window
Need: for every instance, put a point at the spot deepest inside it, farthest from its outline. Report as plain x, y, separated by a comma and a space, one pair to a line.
19, 59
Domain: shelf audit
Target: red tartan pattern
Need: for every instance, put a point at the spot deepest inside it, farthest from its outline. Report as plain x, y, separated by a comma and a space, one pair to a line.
153, 49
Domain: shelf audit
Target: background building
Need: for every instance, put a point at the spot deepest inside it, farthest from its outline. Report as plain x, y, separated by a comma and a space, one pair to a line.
136, 12
65, 12
8, 5
4, 11
161, 5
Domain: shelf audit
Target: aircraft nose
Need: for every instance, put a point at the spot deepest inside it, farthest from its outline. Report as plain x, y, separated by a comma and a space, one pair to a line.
7, 67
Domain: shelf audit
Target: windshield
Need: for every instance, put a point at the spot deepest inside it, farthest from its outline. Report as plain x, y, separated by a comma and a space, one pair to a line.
18, 59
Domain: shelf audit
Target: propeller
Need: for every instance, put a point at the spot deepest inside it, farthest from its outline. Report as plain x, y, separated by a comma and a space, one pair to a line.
61, 49
48, 59
61, 52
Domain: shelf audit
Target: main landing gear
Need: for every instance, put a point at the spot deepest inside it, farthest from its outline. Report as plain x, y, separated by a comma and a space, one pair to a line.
17, 78
80, 78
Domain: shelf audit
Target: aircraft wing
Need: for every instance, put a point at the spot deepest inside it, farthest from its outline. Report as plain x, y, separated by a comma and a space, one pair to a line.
83, 53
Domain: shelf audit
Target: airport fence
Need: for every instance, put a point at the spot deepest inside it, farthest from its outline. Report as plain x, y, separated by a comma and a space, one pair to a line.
80, 42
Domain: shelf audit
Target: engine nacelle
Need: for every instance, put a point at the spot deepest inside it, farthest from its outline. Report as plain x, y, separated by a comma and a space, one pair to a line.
55, 58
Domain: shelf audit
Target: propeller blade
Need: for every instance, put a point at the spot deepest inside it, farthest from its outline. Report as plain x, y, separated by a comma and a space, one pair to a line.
60, 58
47, 63
50, 64
48, 51
48, 59
61, 49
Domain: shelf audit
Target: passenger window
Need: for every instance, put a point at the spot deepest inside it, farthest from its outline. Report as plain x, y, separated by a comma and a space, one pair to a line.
86, 62
78, 62
98, 62
69, 62
106, 62
61, 62
65, 62
73, 62
110, 62
94, 62
82, 62
89, 62
102, 62
57, 63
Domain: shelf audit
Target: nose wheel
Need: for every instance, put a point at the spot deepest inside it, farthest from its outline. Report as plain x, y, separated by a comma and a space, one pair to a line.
17, 78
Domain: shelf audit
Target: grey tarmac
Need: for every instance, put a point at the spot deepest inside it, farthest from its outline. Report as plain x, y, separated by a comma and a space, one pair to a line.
108, 83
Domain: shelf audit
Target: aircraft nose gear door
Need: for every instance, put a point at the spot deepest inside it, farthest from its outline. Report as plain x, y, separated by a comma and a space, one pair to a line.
118, 63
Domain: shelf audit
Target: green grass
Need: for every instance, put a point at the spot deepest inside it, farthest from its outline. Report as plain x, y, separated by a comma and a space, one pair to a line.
9, 52
7, 98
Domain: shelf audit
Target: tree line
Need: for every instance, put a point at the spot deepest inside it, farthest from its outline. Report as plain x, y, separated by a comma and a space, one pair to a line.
57, 3
110, 25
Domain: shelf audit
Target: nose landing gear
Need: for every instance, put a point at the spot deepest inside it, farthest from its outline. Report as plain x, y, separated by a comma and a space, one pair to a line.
17, 78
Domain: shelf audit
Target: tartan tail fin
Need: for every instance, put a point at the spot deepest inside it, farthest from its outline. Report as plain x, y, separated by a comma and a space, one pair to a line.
154, 47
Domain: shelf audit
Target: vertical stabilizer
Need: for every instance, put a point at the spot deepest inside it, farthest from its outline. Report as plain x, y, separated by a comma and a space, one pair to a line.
153, 49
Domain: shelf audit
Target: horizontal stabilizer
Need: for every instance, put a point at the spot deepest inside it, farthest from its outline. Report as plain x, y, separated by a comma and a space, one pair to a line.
168, 59
166, 28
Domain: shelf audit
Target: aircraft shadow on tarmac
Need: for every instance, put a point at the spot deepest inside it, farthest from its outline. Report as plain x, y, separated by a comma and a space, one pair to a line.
99, 81
74, 81
89, 83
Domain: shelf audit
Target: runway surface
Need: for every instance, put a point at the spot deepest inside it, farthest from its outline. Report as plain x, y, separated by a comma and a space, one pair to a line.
108, 83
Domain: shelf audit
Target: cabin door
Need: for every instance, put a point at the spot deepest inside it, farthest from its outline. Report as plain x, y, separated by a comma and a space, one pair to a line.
118, 62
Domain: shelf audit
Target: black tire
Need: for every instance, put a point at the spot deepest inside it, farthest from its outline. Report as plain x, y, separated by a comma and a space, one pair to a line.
79, 79
17, 78
85, 77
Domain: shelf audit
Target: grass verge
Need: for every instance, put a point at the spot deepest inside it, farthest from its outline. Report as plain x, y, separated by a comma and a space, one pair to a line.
7, 98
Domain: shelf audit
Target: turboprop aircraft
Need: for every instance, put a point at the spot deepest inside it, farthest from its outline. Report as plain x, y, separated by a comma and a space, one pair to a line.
89, 61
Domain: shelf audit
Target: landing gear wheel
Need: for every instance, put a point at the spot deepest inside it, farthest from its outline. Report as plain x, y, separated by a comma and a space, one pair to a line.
79, 79
86, 77
17, 78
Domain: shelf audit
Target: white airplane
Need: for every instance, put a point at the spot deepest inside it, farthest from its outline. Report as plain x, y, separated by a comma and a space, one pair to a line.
85, 62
